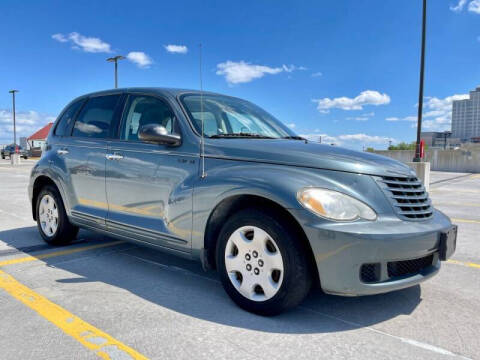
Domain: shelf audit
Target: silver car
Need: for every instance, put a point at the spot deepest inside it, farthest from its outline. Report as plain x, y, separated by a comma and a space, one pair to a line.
273, 213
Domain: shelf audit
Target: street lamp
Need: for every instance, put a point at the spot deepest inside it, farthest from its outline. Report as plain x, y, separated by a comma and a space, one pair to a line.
446, 134
14, 125
420, 94
115, 60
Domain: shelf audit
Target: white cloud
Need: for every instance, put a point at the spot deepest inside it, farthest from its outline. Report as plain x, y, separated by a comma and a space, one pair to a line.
243, 72
358, 118
237, 72
87, 44
27, 122
445, 104
437, 113
363, 117
176, 49
367, 97
139, 58
292, 68
459, 7
317, 74
291, 125
474, 6
59, 37
406, 118
354, 141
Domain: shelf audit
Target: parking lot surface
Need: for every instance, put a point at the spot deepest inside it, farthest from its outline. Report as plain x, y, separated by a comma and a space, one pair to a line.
103, 297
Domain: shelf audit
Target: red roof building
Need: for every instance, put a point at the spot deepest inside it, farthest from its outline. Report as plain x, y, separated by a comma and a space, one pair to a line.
38, 139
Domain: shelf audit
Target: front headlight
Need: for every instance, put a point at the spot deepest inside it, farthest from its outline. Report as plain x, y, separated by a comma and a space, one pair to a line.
334, 205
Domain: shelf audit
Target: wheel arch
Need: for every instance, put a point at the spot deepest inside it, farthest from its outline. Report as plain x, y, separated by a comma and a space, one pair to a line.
234, 203
40, 182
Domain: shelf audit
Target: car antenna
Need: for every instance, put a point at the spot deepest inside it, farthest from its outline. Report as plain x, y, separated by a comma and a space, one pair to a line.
202, 138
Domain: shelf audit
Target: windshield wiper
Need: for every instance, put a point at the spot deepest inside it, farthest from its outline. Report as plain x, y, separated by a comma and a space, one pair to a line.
294, 138
240, 135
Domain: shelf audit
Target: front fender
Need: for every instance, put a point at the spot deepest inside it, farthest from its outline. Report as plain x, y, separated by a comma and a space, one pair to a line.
278, 183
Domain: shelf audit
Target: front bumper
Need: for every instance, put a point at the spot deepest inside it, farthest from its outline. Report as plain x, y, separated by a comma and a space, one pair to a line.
340, 250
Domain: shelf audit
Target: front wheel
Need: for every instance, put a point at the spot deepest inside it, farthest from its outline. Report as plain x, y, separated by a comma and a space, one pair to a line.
52, 220
262, 263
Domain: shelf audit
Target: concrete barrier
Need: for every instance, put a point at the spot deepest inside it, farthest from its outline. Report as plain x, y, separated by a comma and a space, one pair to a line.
459, 160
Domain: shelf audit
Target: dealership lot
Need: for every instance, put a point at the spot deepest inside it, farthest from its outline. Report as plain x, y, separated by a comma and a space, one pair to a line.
102, 297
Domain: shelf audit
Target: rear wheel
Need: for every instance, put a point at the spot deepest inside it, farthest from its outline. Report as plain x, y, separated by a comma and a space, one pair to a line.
52, 220
262, 263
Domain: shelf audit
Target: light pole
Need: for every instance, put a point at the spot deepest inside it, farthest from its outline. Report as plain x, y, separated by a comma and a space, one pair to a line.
14, 125
115, 60
420, 94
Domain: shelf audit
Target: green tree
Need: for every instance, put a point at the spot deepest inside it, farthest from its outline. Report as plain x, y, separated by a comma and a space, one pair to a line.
403, 146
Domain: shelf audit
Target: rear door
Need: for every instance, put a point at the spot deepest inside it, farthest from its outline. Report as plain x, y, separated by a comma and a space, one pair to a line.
149, 186
84, 157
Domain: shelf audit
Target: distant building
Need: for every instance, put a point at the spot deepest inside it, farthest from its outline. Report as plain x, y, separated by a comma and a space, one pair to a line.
466, 117
38, 139
436, 139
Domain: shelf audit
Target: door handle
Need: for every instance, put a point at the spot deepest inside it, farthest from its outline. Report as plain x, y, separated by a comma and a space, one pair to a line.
62, 151
114, 156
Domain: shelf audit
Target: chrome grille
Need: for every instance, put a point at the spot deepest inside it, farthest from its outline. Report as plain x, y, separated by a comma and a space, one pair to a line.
408, 197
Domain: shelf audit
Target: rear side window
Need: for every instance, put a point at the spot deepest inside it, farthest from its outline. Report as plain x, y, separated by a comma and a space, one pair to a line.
65, 122
96, 117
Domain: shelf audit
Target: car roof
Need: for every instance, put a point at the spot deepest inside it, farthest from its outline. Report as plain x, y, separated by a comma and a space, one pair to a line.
149, 90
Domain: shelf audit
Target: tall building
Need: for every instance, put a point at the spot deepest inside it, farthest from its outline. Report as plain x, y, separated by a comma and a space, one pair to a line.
466, 117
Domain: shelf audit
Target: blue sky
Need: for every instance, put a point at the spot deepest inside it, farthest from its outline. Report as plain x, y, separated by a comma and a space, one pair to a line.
344, 69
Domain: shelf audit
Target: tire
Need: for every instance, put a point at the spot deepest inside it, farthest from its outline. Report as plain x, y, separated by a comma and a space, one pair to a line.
53, 225
283, 289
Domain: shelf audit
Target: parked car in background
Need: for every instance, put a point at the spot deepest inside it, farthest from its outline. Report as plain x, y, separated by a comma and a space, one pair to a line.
272, 212
8, 150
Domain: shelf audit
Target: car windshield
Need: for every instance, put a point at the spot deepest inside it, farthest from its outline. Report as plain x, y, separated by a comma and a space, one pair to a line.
227, 117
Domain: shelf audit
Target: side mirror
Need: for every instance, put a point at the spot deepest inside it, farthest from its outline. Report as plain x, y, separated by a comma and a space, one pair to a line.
154, 133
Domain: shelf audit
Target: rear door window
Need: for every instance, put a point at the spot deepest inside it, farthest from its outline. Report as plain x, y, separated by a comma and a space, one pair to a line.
64, 124
97, 117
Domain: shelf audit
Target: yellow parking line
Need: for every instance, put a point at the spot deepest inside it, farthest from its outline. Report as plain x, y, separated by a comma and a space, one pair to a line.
88, 335
58, 253
476, 176
463, 263
468, 221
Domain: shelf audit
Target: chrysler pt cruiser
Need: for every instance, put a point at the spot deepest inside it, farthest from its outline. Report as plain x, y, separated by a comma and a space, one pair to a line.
273, 213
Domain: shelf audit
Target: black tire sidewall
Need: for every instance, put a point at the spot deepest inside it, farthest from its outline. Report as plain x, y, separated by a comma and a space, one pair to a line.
296, 278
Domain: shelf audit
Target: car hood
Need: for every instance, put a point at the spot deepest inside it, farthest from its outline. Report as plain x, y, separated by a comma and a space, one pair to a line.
304, 154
